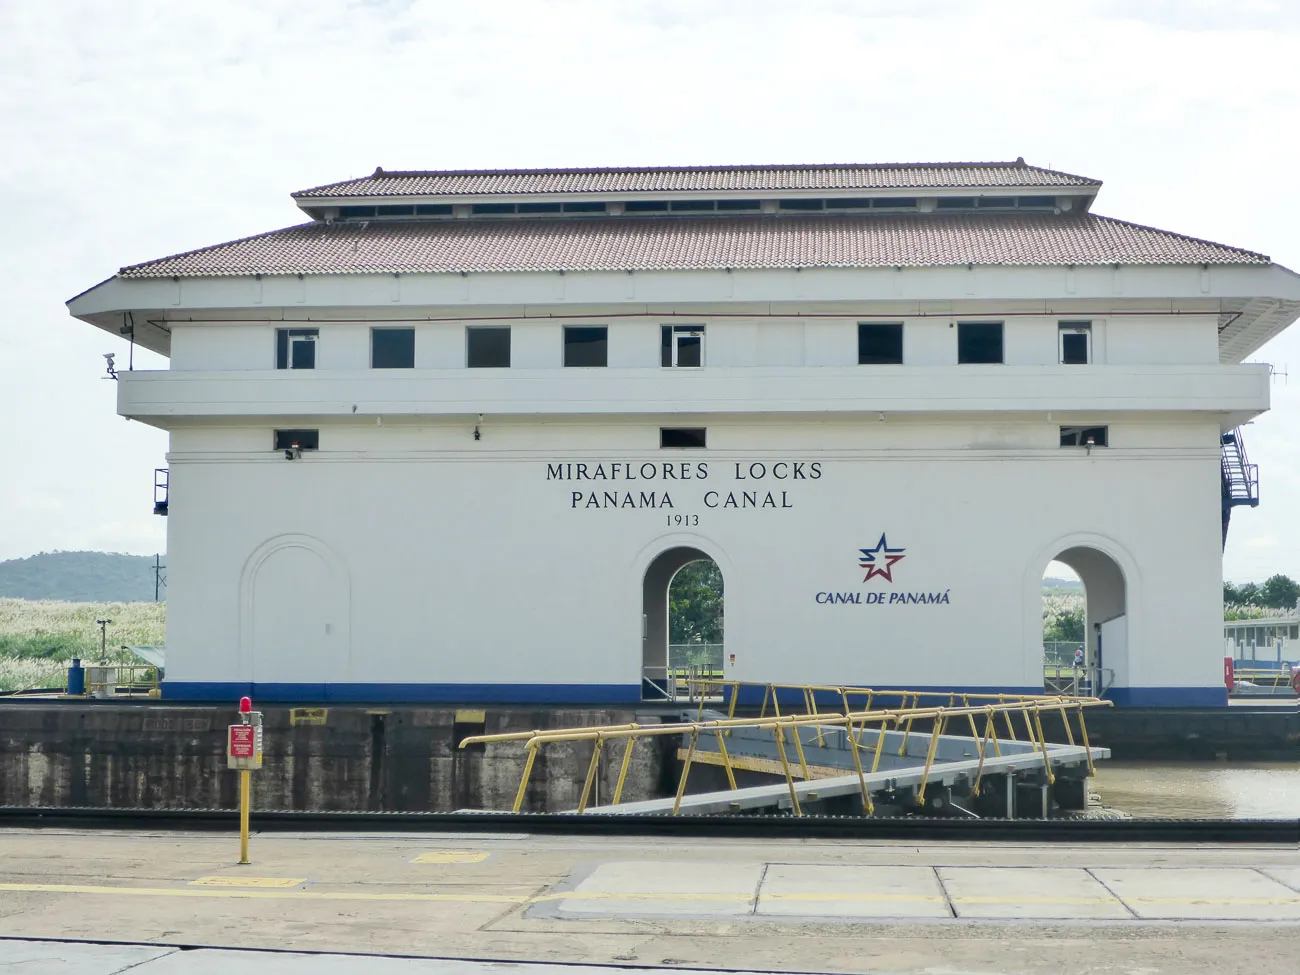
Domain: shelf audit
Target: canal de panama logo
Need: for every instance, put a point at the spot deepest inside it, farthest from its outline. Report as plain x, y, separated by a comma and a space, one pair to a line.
880, 561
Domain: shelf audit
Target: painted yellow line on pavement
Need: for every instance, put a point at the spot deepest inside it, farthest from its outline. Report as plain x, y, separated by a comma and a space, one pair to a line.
324, 895
236, 881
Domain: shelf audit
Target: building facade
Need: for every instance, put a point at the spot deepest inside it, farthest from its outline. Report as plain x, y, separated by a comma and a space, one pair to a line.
450, 439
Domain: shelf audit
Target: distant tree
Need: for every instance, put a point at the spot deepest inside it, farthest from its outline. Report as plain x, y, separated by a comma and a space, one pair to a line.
695, 604
1279, 592
1231, 595
1248, 595
1068, 627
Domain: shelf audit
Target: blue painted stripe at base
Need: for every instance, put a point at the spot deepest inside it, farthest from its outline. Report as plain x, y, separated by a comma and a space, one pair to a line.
619, 694
587, 694
1168, 697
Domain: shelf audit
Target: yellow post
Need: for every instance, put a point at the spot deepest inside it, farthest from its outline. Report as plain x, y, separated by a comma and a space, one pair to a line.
523, 779
622, 772
245, 800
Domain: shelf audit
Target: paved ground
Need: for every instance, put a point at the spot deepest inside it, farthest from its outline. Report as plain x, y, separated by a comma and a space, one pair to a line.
717, 904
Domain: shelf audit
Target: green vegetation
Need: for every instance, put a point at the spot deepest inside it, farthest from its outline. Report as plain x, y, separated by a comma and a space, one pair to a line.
1276, 592
695, 609
38, 637
79, 576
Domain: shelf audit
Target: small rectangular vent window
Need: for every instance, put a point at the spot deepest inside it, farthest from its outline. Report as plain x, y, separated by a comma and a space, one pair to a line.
584, 207
539, 208
297, 440
350, 213
997, 202
801, 204
848, 203
895, 203
492, 208
692, 205
586, 345
1038, 201
955, 203
1084, 436
739, 205
487, 346
295, 348
433, 209
392, 348
880, 343
685, 438
979, 342
645, 206
395, 211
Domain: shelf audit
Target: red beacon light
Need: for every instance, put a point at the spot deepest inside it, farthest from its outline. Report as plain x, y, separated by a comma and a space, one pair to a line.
245, 705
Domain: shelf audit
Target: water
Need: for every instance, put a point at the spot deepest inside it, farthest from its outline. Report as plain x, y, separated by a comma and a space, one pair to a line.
1200, 790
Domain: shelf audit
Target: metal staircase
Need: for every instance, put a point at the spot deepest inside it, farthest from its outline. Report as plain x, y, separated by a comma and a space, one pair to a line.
1240, 478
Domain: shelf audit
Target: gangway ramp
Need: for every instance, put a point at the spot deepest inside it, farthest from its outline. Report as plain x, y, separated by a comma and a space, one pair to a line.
909, 756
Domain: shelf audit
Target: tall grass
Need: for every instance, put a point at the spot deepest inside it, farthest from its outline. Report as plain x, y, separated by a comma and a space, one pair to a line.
37, 637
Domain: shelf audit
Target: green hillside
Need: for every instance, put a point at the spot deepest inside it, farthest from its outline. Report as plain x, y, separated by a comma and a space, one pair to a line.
90, 577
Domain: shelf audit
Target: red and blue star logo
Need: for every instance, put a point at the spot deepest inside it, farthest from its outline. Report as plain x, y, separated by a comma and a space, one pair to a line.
879, 561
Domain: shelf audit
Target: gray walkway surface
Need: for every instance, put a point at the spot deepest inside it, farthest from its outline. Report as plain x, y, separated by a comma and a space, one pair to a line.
54, 958
629, 903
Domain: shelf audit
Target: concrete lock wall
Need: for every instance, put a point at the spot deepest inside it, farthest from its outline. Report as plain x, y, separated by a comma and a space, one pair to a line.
408, 562
140, 756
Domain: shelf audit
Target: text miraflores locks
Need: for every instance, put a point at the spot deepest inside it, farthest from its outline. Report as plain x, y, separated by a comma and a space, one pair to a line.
682, 476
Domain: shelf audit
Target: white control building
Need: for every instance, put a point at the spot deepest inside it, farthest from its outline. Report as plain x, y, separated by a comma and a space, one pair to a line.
450, 438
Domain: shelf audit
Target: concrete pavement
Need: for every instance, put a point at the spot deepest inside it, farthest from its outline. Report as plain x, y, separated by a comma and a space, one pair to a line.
855, 906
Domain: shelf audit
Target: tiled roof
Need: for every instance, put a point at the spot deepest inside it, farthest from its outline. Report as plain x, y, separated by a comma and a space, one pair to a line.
695, 243
692, 179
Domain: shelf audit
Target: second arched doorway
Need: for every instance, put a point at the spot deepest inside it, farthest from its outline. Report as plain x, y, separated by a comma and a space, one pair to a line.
1103, 636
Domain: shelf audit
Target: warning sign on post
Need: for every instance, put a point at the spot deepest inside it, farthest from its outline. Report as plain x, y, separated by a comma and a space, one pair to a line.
243, 746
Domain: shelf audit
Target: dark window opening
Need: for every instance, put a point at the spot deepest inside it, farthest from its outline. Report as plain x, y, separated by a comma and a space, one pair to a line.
492, 208
433, 209
880, 343
299, 439
979, 342
692, 205
681, 345
1083, 436
539, 208
682, 437
586, 345
295, 348
584, 208
1038, 201
395, 211
896, 203
739, 205
848, 203
1076, 339
346, 213
997, 202
487, 346
801, 204
392, 348
955, 203
645, 206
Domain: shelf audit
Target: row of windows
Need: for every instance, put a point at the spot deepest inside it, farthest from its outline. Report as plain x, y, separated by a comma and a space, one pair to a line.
681, 346
797, 204
685, 438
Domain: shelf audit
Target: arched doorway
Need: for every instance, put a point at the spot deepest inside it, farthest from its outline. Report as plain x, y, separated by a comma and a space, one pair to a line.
1093, 621
657, 619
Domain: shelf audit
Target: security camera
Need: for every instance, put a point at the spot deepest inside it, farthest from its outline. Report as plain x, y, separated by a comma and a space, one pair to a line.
293, 451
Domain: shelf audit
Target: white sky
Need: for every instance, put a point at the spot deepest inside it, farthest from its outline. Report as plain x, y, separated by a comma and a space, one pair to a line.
139, 128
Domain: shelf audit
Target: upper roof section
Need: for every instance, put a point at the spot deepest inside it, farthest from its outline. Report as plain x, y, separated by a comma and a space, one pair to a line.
448, 186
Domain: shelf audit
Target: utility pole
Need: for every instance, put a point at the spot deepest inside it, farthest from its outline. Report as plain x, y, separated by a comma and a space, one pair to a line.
159, 580
103, 640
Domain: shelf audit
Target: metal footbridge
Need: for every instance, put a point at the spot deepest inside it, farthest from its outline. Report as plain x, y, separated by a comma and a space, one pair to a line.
848, 750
